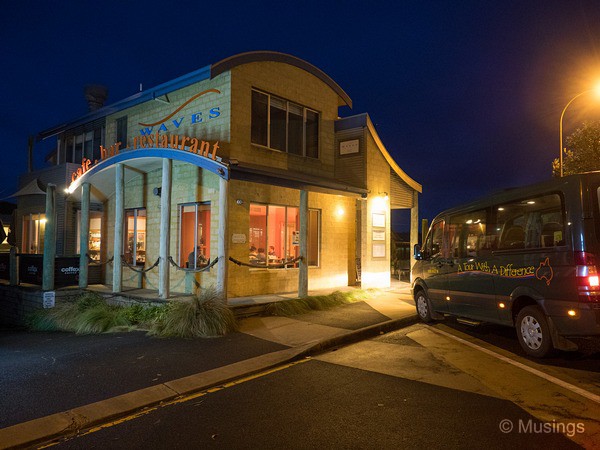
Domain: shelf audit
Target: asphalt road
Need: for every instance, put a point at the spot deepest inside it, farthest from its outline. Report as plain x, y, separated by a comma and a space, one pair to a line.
45, 373
415, 388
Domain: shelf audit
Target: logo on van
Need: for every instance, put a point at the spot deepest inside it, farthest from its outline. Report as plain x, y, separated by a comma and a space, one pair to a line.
545, 272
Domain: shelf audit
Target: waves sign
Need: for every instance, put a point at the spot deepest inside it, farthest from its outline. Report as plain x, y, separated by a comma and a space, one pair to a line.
173, 121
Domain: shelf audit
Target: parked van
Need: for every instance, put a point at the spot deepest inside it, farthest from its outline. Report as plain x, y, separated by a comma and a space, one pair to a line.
525, 257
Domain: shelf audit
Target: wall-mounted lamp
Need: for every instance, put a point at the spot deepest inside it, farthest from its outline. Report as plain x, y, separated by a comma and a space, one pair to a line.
385, 195
363, 195
239, 201
157, 191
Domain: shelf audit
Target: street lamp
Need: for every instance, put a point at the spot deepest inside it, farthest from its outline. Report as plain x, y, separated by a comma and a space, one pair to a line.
597, 90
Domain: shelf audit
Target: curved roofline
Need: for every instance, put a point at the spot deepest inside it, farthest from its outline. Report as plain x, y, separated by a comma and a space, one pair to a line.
258, 56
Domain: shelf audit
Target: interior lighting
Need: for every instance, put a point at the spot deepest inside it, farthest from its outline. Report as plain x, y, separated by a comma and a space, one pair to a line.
339, 211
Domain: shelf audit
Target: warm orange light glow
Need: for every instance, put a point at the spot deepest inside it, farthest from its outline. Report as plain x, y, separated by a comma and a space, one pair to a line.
597, 89
448, 298
571, 313
501, 305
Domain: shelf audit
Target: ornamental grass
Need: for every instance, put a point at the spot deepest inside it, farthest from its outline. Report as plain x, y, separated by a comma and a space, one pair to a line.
297, 306
205, 315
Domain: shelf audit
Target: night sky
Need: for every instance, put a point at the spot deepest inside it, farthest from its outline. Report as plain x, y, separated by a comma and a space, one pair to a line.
466, 95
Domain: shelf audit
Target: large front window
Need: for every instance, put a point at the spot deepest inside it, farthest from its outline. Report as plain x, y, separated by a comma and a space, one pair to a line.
135, 236
194, 235
34, 226
283, 125
274, 235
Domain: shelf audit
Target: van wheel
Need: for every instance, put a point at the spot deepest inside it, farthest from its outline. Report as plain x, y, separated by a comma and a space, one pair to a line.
533, 332
423, 307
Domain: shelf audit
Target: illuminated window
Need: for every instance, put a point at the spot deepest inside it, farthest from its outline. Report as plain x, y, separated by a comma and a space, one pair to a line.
274, 235
95, 237
135, 236
283, 125
194, 235
34, 226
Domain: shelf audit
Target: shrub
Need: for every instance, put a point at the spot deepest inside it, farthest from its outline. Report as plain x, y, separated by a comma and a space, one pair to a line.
205, 315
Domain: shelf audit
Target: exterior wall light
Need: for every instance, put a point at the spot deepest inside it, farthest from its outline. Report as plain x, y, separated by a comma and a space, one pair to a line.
239, 201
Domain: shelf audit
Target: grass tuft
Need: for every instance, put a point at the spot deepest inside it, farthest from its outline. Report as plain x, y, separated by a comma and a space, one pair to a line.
297, 306
205, 315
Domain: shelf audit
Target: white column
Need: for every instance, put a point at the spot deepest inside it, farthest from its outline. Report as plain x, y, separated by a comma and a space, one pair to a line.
303, 272
223, 242
49, 239
84, 239
165, 229
119, 213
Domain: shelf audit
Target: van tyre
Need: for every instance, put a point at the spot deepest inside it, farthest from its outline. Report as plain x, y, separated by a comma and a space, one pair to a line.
533, 332
423, 307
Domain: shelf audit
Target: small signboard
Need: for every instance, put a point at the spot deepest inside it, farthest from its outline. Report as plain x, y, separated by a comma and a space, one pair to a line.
49, 299
238, 238
349, 147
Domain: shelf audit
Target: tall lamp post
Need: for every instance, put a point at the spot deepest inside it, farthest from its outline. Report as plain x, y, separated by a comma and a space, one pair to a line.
597, 90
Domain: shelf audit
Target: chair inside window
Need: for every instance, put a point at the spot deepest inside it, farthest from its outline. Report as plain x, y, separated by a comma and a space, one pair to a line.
552, 234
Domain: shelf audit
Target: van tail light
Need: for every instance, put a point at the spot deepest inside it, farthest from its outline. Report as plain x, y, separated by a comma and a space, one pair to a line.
588, 277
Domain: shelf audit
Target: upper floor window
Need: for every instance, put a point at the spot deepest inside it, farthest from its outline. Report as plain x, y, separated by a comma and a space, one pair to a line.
283, 125
122, 131
83, 145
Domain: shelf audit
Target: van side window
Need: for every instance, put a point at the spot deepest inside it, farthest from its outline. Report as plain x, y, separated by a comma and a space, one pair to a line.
535, 222
434, 241
467, 235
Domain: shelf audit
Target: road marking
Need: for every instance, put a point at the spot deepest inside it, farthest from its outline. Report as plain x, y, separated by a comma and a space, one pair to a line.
182, 399
570, 387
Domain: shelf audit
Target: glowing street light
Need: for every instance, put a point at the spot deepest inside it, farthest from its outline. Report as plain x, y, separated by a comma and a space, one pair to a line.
597, 91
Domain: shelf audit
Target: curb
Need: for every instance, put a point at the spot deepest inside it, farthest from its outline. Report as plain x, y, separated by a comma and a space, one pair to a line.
71, 422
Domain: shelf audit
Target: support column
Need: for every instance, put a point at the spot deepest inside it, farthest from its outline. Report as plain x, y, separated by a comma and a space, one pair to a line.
223, 242
165, 229
119, 213
414, 227
303, 272
84, 239
49, 239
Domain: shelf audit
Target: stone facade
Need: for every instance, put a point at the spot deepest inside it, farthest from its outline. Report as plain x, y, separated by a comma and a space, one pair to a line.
217, 108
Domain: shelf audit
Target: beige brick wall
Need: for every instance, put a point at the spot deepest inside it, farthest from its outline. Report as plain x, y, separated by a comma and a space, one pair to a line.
336, 247
375, 270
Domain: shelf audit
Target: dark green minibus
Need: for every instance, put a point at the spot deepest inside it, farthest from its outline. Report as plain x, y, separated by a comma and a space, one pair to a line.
525, 257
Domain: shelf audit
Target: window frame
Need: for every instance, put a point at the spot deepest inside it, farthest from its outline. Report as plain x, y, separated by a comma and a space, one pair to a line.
286, 238
182, 257
136, 211
305, 110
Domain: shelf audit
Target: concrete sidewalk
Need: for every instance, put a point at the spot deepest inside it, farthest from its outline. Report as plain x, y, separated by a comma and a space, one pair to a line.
262, 342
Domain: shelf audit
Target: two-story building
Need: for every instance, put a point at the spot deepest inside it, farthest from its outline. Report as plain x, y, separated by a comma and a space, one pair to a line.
240, 175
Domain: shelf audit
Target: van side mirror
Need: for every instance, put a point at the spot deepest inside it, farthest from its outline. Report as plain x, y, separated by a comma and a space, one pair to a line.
417, 252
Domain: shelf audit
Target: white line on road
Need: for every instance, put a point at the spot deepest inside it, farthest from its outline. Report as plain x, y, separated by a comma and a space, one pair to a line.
589, 395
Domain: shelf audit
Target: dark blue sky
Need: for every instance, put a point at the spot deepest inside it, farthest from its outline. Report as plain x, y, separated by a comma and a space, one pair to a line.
465, 95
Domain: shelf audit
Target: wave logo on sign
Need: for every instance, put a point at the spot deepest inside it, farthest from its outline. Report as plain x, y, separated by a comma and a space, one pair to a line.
194, 119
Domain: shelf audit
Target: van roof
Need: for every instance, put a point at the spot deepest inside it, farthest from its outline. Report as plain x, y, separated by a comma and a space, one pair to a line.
532, 189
